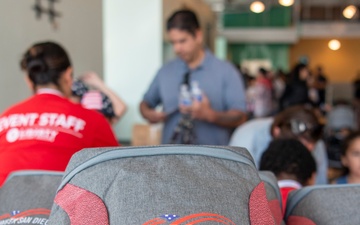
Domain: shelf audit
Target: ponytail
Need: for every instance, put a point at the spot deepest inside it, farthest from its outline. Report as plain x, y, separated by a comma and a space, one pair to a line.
45, 63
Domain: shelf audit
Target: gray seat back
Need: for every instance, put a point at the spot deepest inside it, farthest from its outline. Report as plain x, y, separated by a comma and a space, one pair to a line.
324, 205
27, 196
171, 184
273, 194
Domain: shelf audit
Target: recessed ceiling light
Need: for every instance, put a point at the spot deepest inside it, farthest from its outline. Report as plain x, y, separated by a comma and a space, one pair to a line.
350, 11
257, 7
334, 44
286, 2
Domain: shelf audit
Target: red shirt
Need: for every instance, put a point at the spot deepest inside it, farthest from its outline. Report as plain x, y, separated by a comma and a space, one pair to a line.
287, 186
44, 131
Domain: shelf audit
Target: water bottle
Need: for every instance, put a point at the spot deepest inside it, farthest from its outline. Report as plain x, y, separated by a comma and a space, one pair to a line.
196, 92
185, 96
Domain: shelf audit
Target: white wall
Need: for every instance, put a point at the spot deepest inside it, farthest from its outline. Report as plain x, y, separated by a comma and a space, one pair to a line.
80, 32
132, 52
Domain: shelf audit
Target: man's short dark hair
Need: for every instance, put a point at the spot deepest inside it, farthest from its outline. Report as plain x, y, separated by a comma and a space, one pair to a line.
185, 20
290, 157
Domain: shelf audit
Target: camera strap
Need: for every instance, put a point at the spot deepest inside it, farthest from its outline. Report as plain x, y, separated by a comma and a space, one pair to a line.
184, 130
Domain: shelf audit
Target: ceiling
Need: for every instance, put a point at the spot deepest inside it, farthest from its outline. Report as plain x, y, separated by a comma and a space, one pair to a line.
233, 5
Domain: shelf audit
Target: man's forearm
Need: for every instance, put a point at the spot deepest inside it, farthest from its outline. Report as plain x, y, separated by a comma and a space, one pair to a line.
118, 104
231, 118
144, 109
150, 114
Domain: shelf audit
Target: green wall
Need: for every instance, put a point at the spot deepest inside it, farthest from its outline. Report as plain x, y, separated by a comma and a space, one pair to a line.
277, 53
276, 16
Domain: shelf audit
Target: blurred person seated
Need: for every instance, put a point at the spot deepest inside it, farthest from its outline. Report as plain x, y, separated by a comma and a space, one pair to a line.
340, 122
254, 135
92, 93
292, 164
45, 130
350, 158
298, 122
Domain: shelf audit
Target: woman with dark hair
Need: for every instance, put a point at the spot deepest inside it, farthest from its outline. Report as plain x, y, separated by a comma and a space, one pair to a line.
45, 130
296, 90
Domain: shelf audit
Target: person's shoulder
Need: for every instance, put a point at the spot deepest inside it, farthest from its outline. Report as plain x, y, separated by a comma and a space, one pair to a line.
341, 180
227, 67
219, 62
256, 124
171, 65
17, 107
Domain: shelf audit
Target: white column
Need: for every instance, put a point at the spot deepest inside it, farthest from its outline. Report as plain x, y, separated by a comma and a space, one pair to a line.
221, 47
132, 53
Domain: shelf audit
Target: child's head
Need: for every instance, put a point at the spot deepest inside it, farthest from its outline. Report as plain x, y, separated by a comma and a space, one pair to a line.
350, 153
289, 159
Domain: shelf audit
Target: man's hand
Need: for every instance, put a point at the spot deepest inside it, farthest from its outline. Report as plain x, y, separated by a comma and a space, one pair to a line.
155, 117
150, 114
201, 110
184, 109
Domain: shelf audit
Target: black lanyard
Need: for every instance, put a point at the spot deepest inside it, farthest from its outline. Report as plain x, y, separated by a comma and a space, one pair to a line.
186, 79
185, 127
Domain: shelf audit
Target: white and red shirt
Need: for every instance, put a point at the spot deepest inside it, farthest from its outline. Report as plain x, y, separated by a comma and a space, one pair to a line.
287, 186
44, 131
